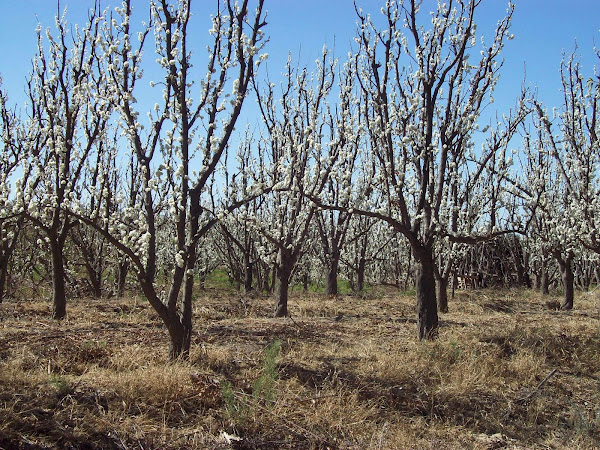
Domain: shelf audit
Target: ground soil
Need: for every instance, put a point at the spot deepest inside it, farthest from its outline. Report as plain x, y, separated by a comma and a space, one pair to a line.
506, 371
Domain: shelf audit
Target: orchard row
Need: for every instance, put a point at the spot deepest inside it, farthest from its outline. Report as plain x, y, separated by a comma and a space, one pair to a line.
383, 167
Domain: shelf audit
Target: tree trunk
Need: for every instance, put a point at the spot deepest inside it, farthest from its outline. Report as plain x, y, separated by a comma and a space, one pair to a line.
285, 264
8, 248
95, 279
273, 282
283, 283
537, 283
248, 275
122, 269
526, 274
426, 300
93, 263
179, 336
59, 296
442, 292
454, 282
182, 345
566, 270
520, 273
3, 277
408, 269
263, 278
331, 284
545, 282
360, 274
180, 339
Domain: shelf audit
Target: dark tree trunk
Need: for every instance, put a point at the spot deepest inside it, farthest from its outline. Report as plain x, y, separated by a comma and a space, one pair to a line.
184, 337
3, 277
122, 269
331, 284
587, 281
362, 266
526, 275
285, 265
545, 282
283, 283
305, 283
566, 270
442, 292
520, 273
93, 262
248, 276
8, 248
95, 279
180, 339
179, 336
262, 272
360, 276
426, 299
178, 323
273, 283
454, 282
527, 280
537, 281
59, 296
408, 268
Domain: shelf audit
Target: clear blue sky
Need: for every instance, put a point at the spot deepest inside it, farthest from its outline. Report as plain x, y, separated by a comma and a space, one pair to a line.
543, 30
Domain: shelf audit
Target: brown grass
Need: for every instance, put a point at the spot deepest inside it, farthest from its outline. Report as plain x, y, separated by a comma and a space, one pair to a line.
350, 375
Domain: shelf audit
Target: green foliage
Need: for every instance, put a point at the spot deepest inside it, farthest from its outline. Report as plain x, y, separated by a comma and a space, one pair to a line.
219, 279
60, 384
237, 407
408, 292
318, 287
234, 409
263, 387
450, 352
455, 351
92, 344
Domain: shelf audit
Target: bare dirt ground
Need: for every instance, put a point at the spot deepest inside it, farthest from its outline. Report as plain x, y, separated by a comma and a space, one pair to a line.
506, 371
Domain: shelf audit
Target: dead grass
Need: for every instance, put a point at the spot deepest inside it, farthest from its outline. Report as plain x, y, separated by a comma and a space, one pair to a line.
507, 371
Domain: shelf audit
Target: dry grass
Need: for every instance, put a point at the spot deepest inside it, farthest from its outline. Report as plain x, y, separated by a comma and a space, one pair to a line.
505, 372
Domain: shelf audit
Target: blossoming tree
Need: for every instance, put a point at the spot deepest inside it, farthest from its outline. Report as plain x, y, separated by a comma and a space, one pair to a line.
179, 148
572, 213
304, 135
69, 113
424, 90
11, 219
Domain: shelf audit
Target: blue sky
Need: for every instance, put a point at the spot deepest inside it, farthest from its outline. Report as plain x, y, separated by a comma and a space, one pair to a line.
543, 30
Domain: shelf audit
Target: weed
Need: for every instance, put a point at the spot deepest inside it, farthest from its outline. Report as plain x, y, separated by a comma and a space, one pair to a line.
234, 409
263, 387
93, 344
237, 407
60, 384
455, 351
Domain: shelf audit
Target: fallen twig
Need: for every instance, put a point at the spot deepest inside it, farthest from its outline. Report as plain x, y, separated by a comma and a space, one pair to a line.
295, 323
539, 386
